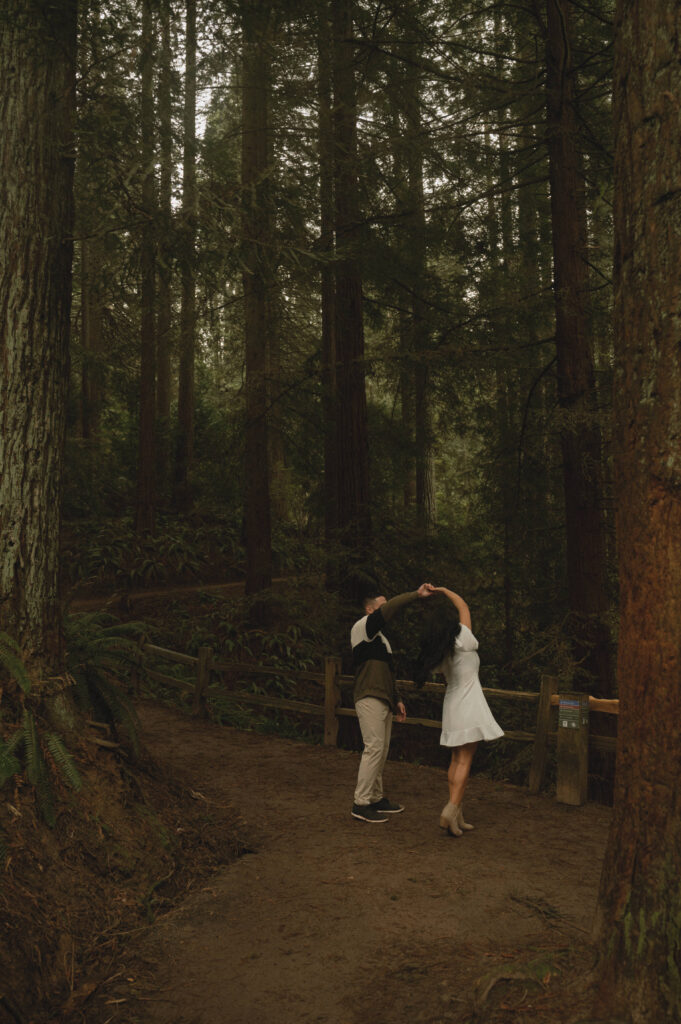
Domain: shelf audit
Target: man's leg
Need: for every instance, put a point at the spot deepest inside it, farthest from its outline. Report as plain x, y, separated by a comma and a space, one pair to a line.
371, 714
377, 791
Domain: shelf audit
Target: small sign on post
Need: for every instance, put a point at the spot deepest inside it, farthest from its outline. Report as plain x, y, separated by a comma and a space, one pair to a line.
573, 748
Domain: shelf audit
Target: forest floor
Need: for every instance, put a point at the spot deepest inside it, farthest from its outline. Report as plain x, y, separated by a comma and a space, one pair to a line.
327, 920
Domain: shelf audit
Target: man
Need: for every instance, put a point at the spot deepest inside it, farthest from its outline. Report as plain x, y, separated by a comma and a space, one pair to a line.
376, 699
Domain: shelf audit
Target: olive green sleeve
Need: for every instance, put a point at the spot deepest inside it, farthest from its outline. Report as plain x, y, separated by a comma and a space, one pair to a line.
396, 604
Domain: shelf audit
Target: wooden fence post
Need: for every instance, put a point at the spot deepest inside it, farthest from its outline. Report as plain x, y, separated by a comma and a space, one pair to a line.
332, 698
549, 686
203, 669
573, 749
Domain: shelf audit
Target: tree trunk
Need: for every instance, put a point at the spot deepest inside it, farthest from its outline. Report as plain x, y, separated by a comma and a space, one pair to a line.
638, 923
91, 313
416, 241
37, 108
186, 399
328, 284
403, 282
146, 465
165, 220
352, 440
580, 438
256, 228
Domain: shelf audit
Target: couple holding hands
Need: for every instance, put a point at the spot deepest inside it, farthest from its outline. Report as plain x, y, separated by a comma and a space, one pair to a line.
447, 646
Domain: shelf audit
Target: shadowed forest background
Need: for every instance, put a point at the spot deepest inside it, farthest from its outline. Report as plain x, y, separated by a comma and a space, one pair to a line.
319, 295
315, 327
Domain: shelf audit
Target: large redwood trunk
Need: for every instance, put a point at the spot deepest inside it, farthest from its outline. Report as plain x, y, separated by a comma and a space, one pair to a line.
328, 283
37, 150
639, 918
351, 418
416, 240
165, 222
145, 512
256, 227
186, 399
580, 433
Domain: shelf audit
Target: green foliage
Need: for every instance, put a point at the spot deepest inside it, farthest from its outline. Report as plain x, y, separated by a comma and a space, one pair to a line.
37, 767
182, 550
63, 760
99, 651
11, 660
9, 765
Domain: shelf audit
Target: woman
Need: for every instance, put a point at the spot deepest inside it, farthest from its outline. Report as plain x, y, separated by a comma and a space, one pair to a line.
449, 647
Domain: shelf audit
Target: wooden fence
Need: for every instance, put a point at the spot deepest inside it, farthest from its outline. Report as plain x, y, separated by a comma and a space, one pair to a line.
211, 675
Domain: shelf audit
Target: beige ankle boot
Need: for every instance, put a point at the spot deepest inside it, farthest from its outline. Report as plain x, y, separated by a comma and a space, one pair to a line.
444, 815
449, 819
463, 824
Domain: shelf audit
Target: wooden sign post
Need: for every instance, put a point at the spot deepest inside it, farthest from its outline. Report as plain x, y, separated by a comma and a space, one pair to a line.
573, 748
332, 699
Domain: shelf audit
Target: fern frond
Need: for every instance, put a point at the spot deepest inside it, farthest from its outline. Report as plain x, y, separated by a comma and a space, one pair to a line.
15, 742
11, 658
9, 765
36, 769
35, 765
63, 760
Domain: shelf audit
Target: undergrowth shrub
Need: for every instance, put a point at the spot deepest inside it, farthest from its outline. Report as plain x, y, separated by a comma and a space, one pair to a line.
100, 651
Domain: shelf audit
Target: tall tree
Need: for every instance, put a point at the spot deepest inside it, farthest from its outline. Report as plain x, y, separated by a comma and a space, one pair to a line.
146, 462
639, 909
37, 151
328, 285
580, 436
414, 231
165, 222
351, 411
186, 398
91, 314
256, 227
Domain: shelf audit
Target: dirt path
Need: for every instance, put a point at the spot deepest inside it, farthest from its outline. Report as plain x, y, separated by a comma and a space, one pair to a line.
333, 921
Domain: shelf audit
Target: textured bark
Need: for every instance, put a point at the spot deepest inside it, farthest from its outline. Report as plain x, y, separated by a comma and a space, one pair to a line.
580, 436
256, 227
352, 446
37, 104
186, 398
639, 917
146, 461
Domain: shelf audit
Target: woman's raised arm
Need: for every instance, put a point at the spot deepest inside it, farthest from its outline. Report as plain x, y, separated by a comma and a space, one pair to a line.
459, 603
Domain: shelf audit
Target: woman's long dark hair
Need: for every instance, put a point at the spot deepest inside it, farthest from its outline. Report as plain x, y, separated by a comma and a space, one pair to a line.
441, 627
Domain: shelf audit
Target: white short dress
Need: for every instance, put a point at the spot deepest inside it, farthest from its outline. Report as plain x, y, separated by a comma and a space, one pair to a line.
466, 717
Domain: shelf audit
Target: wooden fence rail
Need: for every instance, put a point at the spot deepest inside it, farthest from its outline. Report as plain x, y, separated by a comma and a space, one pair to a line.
571, 737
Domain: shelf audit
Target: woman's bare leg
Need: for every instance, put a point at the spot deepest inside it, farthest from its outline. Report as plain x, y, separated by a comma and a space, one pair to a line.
459, 771
451, 817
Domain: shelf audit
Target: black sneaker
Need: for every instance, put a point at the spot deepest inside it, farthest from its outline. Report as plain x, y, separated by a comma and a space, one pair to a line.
368, 813
385, 806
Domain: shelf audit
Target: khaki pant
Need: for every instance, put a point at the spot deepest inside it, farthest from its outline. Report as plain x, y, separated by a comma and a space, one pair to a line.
375, 721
